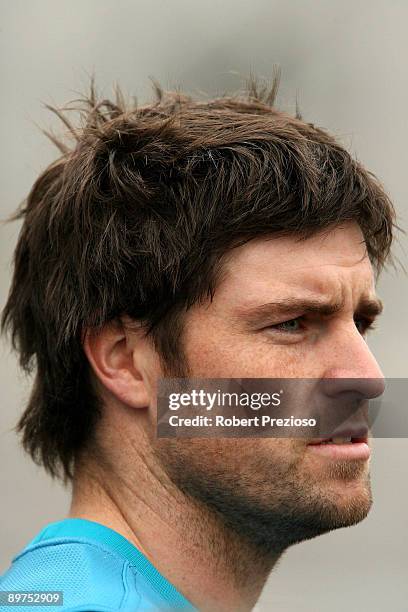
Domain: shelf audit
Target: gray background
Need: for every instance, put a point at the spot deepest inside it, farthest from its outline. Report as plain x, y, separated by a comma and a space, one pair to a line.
346, 60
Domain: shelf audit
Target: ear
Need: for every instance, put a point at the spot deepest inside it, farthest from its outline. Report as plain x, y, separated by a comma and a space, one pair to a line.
119, 359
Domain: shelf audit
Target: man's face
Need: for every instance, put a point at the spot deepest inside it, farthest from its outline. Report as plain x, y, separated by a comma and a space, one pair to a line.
280, 491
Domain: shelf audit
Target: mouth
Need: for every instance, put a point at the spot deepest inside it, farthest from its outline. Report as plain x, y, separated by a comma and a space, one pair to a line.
344, 445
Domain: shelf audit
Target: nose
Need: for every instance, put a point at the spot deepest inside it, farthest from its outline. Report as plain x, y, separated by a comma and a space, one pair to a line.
363, 388
353, 367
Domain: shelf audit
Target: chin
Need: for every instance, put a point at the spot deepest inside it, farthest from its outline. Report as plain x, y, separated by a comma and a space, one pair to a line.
346, 502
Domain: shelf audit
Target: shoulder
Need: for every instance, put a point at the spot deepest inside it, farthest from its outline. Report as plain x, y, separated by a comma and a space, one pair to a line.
90, 576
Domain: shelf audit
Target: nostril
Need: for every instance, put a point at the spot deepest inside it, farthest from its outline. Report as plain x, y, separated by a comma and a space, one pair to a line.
365, 388
378, 386
371, 387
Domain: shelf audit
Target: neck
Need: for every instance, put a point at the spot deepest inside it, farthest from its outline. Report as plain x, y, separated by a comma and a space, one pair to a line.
209, 564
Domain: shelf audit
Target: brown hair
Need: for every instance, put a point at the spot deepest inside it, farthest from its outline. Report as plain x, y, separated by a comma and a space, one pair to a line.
135, 217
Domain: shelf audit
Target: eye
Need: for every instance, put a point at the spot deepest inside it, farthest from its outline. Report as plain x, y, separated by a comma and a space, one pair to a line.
291, 326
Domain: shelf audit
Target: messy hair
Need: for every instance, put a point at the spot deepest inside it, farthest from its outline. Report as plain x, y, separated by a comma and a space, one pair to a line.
134, 219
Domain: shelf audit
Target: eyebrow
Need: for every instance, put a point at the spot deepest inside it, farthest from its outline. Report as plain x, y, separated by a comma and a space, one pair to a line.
367, 306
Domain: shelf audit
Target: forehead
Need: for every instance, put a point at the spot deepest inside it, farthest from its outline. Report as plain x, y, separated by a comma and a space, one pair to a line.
323, 263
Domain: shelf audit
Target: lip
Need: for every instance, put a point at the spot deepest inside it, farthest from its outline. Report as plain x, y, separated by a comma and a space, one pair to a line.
351, 451
356, 450
357, 434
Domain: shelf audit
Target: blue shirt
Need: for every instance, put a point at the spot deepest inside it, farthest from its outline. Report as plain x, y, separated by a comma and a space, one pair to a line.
96, 568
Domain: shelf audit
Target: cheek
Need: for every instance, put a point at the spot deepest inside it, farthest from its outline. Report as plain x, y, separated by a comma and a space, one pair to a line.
215, 352
258, 461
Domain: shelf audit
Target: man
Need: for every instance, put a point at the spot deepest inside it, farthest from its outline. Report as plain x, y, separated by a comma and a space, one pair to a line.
217, 239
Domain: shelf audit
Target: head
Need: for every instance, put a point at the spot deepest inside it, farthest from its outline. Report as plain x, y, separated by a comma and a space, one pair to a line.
151, 248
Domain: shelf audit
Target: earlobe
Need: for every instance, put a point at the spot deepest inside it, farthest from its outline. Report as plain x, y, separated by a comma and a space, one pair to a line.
112, 361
